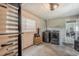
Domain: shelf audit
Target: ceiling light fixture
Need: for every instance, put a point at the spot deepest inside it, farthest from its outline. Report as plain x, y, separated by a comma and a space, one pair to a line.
53, 6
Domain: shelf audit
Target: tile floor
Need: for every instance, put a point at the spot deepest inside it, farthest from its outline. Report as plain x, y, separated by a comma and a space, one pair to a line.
47, 49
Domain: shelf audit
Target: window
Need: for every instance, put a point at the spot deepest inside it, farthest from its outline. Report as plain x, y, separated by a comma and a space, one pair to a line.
28, 25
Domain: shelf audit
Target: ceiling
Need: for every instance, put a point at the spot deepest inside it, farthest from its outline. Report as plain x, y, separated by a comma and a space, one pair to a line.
43, 10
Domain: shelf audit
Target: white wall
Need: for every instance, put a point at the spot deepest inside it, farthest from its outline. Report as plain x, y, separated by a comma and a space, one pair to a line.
42, 26
60, 23
56, 23
29, 36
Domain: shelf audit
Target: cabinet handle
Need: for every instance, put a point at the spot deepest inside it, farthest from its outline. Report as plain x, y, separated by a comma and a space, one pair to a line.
3, 6
3, 45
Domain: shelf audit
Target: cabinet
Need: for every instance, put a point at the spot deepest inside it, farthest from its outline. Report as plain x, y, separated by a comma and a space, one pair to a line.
3, 14
8, 30
55, 37
37, 40
76, 45
46, 36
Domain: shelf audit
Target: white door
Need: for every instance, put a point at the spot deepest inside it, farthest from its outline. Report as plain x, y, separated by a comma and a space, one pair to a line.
70, 32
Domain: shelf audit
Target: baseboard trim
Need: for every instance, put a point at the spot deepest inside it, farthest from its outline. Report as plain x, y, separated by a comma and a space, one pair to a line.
27, 47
